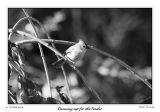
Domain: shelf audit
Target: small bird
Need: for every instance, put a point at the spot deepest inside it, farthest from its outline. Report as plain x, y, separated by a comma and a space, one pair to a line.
73, 53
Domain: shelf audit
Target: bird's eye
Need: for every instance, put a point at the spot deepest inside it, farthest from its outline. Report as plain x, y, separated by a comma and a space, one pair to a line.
84, 46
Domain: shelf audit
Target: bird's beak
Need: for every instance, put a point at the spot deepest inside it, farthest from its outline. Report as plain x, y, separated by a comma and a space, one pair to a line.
87, 46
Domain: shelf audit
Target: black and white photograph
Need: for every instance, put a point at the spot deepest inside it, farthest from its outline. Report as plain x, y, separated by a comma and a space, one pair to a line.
79, 56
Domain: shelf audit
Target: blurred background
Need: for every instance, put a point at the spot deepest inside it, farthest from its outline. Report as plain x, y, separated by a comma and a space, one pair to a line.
125, 33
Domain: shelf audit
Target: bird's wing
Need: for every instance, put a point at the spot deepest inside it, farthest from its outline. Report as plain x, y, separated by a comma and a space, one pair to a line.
70, 49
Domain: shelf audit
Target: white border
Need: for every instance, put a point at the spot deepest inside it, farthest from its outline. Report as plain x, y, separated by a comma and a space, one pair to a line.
80, 3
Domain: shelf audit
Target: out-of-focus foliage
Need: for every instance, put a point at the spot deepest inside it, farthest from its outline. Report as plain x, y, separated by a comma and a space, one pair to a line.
125, 33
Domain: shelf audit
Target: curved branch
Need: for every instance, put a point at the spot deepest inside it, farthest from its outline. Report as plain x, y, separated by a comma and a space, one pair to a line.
16, 25
62, 68
87, 84
41, 52
122, 63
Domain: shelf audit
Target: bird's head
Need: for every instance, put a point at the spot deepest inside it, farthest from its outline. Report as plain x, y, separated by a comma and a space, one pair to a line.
83, 45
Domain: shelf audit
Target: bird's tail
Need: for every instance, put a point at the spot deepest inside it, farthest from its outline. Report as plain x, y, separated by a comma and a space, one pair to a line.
59, 63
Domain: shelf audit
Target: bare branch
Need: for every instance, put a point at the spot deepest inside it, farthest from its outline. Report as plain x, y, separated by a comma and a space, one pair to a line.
122, 64
41, 42
16, 25
97, 50
14, 64
62, 68
67, 84
41, 52
87, 84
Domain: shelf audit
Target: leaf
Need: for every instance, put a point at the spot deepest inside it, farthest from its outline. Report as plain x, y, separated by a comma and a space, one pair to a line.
11, 98
63, 96
9, 72
29, 92
26, 83
10, 45
36, 99
22, 97
15, 52
52, 101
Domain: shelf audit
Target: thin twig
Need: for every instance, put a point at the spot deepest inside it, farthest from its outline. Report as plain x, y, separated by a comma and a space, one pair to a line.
62, 68
45, 43
123, 64
39, 41
92, 48
87, 84
80, 74
45, 40
41, 52
16, 25
12, 97
21, 74
34, 40
67, 84
146, 99
9, 38
83, 78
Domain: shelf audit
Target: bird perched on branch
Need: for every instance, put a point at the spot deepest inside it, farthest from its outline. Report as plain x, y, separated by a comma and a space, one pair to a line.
73, 54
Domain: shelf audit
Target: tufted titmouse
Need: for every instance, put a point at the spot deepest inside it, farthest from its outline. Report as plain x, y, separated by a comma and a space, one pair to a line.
73, 53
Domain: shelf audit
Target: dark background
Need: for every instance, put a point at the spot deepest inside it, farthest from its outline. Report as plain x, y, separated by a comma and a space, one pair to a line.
124, 32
